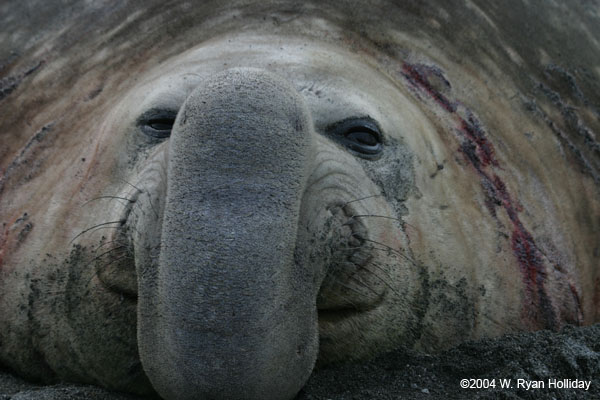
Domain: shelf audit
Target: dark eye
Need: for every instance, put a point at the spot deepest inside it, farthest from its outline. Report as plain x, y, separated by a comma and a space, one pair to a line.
361, 135
158, 124
161, 124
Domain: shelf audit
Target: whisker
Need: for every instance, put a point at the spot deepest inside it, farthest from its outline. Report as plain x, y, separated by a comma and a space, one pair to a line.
384, 281
360, 282
372, 248
142, 191
378, 216
360, 247
131, 184
108, 251
374, 216
103, 254
95, 274
121, 221
387, 247
361, 199
119, 241
387, 273
109, 197
345, 298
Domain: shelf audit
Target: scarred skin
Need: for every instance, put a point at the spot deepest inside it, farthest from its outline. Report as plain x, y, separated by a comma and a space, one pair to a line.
202, 217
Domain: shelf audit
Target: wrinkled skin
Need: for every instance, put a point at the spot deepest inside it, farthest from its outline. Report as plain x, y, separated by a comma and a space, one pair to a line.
270, 199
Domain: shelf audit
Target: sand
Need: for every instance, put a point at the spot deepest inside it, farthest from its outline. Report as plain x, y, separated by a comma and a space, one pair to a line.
539, 358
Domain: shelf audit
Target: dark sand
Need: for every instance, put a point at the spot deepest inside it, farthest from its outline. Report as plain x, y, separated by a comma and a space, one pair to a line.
573, 353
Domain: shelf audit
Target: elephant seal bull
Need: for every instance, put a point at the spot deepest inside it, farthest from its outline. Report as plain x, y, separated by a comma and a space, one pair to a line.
207, 200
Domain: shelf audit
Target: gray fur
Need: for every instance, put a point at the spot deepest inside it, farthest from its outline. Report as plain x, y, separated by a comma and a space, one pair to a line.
254, 231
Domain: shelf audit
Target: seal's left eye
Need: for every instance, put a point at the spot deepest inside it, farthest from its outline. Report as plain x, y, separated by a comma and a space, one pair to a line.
159, 125
361, 136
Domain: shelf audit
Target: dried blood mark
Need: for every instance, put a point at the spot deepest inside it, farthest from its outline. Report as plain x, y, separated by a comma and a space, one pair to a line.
419, 74
479, 152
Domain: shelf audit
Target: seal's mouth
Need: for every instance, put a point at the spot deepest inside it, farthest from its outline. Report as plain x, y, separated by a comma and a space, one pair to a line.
336, 315
115, 264
346, 290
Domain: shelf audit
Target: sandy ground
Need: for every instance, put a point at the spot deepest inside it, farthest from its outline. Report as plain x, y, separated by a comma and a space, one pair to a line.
573, 353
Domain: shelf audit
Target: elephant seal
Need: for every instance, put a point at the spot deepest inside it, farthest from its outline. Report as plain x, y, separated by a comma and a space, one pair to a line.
207, 200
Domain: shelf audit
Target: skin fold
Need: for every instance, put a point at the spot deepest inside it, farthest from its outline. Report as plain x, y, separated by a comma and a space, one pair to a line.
215, 213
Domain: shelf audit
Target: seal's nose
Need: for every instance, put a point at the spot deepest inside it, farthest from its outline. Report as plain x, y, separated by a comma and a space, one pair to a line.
236, 319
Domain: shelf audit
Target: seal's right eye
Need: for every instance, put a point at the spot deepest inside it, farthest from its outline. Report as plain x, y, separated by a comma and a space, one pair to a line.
158, 125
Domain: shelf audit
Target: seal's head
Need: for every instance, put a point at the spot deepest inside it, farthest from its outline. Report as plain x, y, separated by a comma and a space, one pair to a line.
212, 216
263, 215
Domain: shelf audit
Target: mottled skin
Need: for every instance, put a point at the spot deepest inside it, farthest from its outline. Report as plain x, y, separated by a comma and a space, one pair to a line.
189, 207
